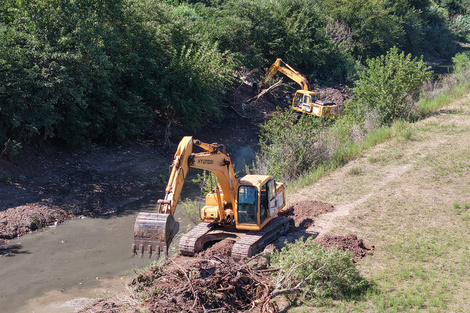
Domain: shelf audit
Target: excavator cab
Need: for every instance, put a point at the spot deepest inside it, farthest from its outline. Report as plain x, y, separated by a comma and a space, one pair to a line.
258, 201
304, 101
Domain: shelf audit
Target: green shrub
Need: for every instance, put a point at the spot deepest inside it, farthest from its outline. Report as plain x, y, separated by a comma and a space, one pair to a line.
461, 62
290, 146
317, 272
389, 86
460, 25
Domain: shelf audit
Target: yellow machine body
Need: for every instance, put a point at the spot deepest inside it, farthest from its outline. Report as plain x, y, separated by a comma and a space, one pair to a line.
304, 100
249, 203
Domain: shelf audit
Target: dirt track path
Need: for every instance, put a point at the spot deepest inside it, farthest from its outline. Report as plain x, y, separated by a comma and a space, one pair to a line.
380, 170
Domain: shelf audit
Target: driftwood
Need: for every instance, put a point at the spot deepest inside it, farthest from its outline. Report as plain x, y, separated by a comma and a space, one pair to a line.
275, 85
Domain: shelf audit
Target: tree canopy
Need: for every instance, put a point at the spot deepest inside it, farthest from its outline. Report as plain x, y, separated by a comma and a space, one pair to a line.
78, 72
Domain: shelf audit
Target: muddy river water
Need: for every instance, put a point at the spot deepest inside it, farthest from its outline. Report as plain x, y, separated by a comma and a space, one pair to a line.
82, 258
61, 269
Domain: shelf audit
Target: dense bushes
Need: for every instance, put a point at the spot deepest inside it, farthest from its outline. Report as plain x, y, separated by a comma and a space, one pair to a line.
104, 70
290, 145
100, 70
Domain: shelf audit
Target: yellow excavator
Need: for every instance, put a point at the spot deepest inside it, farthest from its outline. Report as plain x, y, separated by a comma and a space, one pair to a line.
304, 100
242, 209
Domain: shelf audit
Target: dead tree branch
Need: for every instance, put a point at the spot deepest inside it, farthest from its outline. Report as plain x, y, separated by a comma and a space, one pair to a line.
196, 298
275, 85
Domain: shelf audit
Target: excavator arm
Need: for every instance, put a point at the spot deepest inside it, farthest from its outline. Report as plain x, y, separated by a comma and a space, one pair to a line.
179, 171
286, 69
154, 231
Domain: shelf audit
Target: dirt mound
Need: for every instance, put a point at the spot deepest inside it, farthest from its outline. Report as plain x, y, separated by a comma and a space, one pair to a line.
303, 212
25, 219
219, 249
193, 285
338, 94
347, 243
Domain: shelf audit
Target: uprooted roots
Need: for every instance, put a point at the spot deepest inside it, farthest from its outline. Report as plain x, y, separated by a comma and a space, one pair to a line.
204, 285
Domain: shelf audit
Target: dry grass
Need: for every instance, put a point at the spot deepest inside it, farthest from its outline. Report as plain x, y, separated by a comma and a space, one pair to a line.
409, 201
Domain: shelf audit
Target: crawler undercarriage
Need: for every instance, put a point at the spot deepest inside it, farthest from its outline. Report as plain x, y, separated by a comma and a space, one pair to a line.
246, 243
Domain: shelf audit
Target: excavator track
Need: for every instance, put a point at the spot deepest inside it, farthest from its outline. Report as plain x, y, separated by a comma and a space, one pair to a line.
255, 241
246, 245
193, 241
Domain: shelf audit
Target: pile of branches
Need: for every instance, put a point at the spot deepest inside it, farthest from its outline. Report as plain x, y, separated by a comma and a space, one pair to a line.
212, 284
207, 285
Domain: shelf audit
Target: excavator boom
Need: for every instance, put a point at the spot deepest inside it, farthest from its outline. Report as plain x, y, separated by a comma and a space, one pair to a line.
153, 232
289, 71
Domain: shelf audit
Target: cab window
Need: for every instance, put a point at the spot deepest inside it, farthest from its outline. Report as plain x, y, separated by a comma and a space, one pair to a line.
247, 204
272, 197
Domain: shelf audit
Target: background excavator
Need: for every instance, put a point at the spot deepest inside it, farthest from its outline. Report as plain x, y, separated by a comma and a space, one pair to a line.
242, 209
304, 100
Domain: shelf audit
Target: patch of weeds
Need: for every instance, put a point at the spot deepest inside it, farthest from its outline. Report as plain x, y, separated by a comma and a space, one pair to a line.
420, 247
317, 273
376, 159
162, 178
396, 154
12, 149
462, 208
5, 179
189, 209
35, 223
206, 181
406, 133
355, 171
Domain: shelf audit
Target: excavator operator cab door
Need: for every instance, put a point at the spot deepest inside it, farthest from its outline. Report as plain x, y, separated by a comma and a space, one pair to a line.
247, 205
268, 200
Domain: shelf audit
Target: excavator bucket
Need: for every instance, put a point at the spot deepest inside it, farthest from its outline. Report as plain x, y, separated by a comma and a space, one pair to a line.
153, 233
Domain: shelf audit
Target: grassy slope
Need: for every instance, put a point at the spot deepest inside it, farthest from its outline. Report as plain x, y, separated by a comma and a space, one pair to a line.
409, 198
